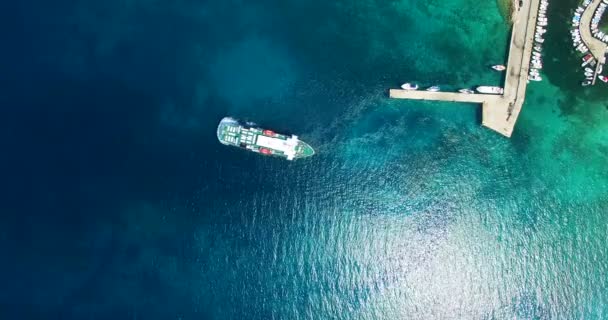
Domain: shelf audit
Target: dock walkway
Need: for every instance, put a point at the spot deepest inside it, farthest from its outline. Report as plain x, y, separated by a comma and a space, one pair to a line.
500, 112
597, 47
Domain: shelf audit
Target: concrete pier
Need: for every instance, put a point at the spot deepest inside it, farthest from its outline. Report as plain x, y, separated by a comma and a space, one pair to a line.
500, 112
597, 47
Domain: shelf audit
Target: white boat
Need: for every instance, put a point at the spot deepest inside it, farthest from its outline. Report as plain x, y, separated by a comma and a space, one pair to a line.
499, 67
590, 61
588, 74
538, 48
490, 90
409, 86
585, 83
603, 78
539, 40
535, 78
588, 69
433, 89
467, 91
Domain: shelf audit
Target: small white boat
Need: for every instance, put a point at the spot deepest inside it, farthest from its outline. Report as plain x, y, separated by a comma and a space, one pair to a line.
467, 91
588, 74
588, 69
603, 78
585, 83
499, 67
409, 86
535, 78
590, 61
433, 89
538, 48
490, 90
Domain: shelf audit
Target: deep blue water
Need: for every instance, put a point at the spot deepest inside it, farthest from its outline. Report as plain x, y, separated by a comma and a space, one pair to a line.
118, 201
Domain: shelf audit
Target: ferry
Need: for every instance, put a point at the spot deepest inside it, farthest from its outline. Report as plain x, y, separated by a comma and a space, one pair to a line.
248, 136
490, 90
433, 89
409, 86
467, 91
499, 67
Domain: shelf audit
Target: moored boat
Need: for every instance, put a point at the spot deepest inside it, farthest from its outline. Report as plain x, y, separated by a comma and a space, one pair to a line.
409, 86
490, 90
467, 91
603, 78
433, 89
499, 67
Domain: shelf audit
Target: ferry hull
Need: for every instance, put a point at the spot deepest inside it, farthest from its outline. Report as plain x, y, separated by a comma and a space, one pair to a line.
250, 137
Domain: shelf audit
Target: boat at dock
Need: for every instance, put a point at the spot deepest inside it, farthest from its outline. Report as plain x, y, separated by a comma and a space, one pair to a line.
249, 136
585, 83
409, 86
587, 57
588, 62
603, 78
490, 90
433, 89
499, 67
467, 91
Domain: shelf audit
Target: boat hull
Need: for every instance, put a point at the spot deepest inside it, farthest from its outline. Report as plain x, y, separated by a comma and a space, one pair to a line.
250, 137
490, 90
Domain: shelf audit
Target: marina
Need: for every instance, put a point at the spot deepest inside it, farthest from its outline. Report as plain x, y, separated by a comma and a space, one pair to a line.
588, 40
594, 48
501, 110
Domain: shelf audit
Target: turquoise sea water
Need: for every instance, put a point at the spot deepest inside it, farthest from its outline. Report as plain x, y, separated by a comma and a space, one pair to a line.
123, 204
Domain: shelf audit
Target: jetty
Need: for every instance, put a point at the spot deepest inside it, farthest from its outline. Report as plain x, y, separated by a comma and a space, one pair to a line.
499, 112
597, 47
